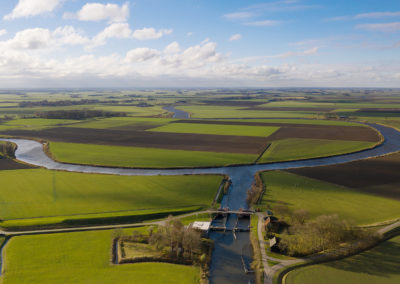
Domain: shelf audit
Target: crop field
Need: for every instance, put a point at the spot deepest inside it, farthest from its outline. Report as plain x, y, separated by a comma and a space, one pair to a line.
296, 149
44, 193
123, 156
378, 176
83, 257
378, 265
35, 123
148, 139
322, 198
217, 129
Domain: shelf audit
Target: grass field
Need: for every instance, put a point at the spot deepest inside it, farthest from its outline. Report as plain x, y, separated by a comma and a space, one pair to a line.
237, 130
82, 257
299, 121
41, 193
324, 198
296, 149
379, 265
235, 112
123, 156
34, 123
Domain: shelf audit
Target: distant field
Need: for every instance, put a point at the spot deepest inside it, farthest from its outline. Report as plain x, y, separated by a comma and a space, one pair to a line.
120, 156
203, 111
42, 193
296, 149
34, 123
324, 198
124, 123
218, 129
376, 266
83, 257
299, 121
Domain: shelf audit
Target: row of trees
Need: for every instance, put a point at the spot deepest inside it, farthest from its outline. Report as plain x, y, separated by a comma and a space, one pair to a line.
7, 149
57, 103
77, 114
303, 236
254, 194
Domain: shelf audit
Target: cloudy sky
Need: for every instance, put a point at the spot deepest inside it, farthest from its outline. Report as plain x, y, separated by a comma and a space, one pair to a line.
199, 43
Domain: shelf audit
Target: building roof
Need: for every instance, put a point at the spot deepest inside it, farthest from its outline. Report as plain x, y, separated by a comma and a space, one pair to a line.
203, 226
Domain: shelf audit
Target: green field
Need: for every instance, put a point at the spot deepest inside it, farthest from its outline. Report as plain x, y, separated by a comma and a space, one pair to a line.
296, 149
325, 198
380, 265
35, 123
217, 129
123, 156
298, 121
83, 257
201, 111
42, 193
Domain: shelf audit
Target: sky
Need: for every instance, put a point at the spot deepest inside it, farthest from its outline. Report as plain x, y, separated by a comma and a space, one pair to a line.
199, 43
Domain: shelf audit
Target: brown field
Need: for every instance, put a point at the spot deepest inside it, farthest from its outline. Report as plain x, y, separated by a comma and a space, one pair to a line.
286, 130
352, 133
163, 140
8, 164
378, 176
383, 110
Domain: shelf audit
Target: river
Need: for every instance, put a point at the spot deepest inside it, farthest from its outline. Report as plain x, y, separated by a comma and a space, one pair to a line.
226, 264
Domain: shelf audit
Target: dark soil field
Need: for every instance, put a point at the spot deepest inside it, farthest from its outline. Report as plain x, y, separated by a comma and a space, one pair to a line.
376, 176
286, 130
353, 133
178, 141
8, 164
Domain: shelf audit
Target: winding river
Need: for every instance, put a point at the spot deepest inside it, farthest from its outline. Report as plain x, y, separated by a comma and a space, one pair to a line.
226, 265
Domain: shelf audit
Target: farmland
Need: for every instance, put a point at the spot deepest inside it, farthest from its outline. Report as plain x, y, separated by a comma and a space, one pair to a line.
321, 198
122, 156
83, 257
297, 148
62, 194
378, 265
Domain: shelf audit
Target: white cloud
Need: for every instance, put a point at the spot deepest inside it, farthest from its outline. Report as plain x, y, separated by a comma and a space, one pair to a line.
28, 8
264, 23
150, 33
141, 54
173, 47
3, 32
235, 37
375, 15
380, 27
115, 30
40, 38
99, 12
238, 15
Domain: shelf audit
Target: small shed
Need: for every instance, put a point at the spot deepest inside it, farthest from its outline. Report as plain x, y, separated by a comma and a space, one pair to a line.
203, 227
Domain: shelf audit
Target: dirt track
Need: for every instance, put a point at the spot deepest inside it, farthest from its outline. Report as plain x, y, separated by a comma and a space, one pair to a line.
181, 141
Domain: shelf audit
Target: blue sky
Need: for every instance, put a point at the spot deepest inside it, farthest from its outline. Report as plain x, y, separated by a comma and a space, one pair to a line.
199, 43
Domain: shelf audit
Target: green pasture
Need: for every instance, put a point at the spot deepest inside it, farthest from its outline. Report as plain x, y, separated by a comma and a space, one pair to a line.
379, 265
201, 111
322, 198
217, 129
296, 149
124, 156
82, 257
35, 123
43, 193
299, 121
336, 105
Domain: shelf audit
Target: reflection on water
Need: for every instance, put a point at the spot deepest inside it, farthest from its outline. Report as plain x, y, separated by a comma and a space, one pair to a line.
177, 112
